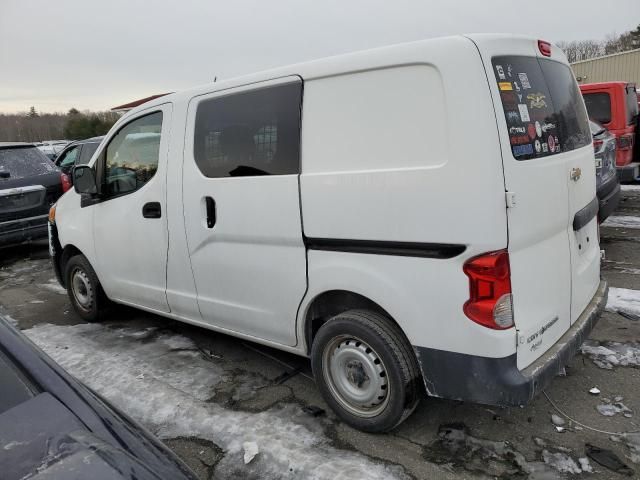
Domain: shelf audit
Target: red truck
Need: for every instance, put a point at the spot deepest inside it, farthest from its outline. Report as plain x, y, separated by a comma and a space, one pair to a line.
615, 106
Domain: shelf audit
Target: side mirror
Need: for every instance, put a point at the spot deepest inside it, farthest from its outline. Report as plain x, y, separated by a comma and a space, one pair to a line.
84, 180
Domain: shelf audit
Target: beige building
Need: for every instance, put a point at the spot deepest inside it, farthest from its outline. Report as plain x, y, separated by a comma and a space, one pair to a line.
623, 66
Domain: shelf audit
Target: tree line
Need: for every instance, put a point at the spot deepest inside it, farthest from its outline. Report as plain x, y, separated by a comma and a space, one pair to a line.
33, 126
577, 50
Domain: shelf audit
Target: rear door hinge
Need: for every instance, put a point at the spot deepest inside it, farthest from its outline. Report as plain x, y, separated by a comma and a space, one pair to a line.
511, 199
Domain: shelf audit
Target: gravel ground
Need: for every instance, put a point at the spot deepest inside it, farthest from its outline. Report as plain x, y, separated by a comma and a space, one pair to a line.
220, 392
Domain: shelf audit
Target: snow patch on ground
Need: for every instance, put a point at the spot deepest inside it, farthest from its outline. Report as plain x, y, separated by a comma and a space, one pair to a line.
623, 299
561, 462
177, 342
632, 441
622, 221
10, 319
611, 409
612, 354
486, 455
629, 188
54, 286
630, 271
168, 391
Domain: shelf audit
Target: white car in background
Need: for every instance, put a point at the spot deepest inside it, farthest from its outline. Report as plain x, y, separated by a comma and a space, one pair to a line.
51, 148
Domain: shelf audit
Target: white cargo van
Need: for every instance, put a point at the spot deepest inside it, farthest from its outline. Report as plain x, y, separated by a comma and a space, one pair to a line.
415, 217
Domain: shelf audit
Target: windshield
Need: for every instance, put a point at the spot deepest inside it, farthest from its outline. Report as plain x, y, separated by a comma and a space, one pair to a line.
21, 162
542, 106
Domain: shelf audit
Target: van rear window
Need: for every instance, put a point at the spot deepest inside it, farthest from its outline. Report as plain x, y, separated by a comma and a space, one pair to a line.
542, 105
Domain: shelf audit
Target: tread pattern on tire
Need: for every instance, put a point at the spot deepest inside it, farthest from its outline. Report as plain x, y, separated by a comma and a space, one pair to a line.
405, 351
101, 300
394, 339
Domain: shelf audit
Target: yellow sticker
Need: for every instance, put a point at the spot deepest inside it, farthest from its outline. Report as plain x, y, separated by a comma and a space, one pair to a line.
505, 86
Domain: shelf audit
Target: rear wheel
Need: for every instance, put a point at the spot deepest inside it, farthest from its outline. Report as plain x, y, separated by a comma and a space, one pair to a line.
366, 370
84, 289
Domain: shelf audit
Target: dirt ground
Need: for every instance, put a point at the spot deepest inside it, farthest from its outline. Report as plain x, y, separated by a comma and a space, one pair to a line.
442, 439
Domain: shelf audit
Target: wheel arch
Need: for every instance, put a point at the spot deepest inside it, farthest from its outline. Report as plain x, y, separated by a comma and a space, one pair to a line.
330, 303
68, 251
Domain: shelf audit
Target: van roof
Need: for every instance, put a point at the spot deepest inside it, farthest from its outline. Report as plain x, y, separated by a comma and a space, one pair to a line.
402, 53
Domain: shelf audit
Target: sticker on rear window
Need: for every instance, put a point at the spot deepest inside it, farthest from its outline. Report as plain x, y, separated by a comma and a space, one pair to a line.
524, 80
524, 112
552, 143
500, 71
536, 100
519, 150
505, 86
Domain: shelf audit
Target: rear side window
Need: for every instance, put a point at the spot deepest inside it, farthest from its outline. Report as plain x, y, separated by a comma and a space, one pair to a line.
542, 106
632, 104
23, 162
250, 133
598, 106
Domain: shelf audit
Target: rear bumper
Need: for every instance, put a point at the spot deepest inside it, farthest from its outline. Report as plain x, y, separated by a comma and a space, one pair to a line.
628, 173
22, 230
608, 198
497, 381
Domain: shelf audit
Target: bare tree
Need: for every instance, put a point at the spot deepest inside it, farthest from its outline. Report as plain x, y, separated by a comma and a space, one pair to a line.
577, 50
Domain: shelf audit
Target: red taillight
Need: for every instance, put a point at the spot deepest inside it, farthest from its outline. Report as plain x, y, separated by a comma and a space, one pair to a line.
624, 142
544, 47
489, 301
65, 181
597, 145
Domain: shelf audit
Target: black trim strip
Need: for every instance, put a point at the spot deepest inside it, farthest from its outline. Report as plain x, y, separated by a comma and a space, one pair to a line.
376, 247
585, 215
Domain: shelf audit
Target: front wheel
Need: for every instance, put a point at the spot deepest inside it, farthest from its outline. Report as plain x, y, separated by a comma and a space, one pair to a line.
366, 370
84, 289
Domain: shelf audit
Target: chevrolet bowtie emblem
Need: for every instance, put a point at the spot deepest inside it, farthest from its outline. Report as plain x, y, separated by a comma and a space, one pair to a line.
575, 174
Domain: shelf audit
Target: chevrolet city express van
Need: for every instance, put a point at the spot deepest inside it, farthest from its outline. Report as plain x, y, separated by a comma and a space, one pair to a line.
415, 217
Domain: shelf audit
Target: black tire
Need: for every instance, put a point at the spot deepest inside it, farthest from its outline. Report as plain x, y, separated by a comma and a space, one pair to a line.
374, 337
96, 306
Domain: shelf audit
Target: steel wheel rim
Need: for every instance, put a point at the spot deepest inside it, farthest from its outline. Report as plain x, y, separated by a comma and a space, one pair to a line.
81, 288
356, 376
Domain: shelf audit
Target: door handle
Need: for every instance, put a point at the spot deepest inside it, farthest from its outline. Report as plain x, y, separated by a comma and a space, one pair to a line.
211, 211
152, 210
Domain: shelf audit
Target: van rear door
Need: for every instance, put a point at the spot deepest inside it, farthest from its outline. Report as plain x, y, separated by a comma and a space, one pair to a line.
549, 171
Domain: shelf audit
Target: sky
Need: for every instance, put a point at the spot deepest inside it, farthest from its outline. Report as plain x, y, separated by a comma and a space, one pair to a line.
94, 55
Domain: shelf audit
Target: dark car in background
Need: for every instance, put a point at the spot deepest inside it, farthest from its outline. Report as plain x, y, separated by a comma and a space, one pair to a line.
54, 427
607, 183
29, 184
77, 153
